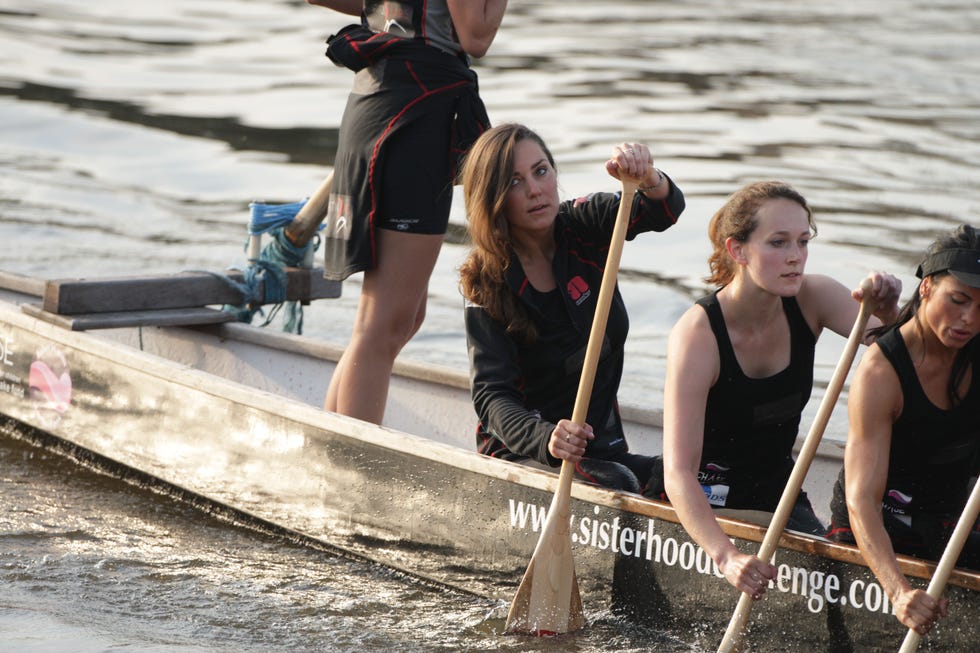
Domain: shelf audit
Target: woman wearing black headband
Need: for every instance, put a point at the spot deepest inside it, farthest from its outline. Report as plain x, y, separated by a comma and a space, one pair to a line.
914, 410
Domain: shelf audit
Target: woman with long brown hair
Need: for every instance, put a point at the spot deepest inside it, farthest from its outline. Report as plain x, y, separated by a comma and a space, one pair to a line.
531, 282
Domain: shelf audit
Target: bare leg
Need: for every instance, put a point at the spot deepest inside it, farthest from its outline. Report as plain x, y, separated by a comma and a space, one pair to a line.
390, 312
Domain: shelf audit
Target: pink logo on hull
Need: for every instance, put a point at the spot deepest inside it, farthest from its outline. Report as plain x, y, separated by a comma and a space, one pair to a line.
50, 385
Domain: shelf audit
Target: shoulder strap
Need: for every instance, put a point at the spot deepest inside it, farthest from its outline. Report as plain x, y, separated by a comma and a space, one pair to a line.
716, 319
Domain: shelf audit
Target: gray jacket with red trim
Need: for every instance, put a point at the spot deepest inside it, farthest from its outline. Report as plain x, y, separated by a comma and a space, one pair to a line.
520, 390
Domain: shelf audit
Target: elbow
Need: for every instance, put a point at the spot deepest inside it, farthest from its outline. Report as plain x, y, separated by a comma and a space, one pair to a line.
673, 482
349, 7
855, 510
477, 45
861, 513
476, 50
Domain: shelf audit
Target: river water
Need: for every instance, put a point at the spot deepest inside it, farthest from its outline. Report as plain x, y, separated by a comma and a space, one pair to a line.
133, 136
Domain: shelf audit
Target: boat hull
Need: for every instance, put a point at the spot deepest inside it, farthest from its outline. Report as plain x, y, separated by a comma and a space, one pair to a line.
432, 509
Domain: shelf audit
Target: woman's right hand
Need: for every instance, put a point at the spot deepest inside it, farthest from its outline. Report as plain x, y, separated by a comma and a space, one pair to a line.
568, 440
919, 611
747, 573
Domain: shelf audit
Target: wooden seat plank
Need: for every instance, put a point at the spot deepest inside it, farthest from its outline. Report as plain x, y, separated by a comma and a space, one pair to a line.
113, 320
21, 283
181, 290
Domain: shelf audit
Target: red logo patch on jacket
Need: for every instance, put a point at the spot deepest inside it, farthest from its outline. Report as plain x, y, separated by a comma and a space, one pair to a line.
578, 290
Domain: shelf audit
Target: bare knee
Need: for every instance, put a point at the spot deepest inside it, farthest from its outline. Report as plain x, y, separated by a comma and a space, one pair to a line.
388, 332
406, 327
417, 324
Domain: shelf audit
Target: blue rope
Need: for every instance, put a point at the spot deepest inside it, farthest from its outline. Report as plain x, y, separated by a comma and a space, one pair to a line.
272, 277
282, 252
278, 254
266, 217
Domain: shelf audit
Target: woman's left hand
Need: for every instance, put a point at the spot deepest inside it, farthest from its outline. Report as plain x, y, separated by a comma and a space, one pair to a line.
568, 440
885, 291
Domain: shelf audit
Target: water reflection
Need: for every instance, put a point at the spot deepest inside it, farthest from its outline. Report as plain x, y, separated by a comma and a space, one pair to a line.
181, 116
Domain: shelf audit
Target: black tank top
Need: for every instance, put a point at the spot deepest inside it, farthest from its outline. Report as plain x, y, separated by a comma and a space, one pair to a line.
933, 451
751, 424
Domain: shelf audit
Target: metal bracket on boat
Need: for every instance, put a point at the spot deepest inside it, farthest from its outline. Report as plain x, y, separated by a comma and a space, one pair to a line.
161, 300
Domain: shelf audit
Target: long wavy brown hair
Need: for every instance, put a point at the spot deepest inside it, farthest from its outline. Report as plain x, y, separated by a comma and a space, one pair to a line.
738, 218
486, 176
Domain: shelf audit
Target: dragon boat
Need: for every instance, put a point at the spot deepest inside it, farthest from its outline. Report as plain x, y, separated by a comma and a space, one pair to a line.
144, 379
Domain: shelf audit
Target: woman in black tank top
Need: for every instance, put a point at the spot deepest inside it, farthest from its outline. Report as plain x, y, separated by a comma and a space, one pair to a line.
914, 438
740, 370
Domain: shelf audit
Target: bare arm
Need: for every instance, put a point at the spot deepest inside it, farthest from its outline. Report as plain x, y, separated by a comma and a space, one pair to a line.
693, 366
873, 405
349, 7
826, 303
476, 23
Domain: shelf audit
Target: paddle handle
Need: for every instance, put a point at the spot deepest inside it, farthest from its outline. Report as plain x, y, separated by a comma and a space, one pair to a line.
948, 560
730, 643
596, 336
606, 290
309, 218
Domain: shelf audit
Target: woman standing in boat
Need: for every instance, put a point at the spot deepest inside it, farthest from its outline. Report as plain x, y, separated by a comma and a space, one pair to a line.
414, 108
531, 283
740, 371
914, 412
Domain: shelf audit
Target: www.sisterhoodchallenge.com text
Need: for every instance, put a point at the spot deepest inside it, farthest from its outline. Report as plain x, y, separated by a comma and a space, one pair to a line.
819, 588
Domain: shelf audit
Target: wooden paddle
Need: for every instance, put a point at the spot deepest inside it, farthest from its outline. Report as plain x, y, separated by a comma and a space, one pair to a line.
948, 560
307, 221
547, 601
736, 627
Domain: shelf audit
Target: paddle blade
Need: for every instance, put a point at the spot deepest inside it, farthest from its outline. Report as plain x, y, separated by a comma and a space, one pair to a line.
547, 601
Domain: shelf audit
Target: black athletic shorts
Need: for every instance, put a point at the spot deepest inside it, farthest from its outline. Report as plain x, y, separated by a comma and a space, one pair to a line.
416, 178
